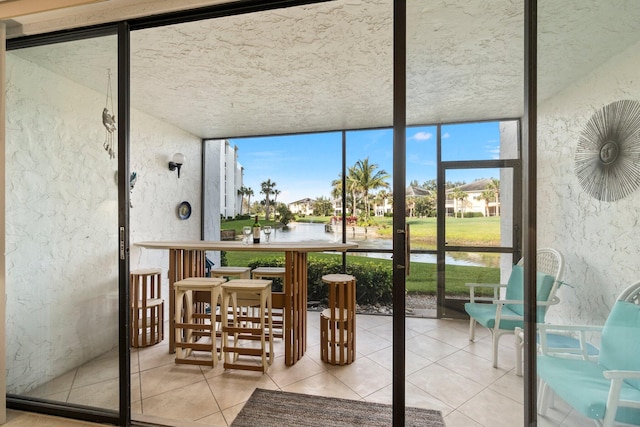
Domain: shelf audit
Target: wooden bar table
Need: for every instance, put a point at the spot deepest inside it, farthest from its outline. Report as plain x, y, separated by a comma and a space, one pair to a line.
187, 259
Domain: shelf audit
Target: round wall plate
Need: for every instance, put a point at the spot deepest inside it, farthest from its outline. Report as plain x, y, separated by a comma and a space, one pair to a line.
184, 210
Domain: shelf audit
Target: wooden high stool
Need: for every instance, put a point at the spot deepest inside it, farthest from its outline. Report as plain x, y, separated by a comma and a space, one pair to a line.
278, 313
147, 307
240, 295
191, 326
338, 321
231, 272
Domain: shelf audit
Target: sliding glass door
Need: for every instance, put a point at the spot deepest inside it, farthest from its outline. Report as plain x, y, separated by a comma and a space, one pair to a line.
62, 224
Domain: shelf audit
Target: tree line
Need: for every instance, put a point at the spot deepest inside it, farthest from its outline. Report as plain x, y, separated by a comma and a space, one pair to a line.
366, 186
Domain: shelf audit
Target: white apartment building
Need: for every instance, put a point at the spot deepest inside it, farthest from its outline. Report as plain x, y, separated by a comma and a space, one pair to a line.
231, 173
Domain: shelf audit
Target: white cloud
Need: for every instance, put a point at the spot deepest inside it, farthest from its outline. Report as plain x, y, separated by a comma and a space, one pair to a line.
446, 135
422, 136
493, 151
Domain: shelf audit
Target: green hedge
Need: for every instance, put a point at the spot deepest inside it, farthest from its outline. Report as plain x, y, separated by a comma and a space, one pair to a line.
373, 282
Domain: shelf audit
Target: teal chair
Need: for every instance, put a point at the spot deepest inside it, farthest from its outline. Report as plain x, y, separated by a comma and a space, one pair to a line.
503, 316
607, 389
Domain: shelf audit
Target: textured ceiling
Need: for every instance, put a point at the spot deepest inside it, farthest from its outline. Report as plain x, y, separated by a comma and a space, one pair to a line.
328, 66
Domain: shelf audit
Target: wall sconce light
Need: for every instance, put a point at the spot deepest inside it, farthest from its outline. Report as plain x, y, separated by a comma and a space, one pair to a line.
177, 160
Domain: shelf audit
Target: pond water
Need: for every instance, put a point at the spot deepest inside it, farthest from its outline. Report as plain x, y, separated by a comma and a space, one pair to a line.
306, 232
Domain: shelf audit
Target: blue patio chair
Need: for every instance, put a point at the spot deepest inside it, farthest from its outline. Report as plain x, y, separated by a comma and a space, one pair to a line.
502, 316
606, 389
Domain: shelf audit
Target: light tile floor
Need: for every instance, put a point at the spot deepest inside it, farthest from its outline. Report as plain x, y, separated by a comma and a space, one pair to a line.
444, 371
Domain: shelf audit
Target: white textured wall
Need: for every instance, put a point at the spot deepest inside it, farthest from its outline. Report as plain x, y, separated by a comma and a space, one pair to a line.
62, 246
599, 240
159, 191
212, 189
61, 236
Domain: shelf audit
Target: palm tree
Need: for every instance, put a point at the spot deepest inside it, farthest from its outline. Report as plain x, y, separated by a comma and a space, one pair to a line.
268, 188
248, 192
487, 195
458, 195
243, 191
365, 178
336, 191
352, 188
495, 186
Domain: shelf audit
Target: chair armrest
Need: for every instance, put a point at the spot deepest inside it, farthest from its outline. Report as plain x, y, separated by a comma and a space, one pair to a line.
575, 332
485, 285
545, 327
494, 286
622, 375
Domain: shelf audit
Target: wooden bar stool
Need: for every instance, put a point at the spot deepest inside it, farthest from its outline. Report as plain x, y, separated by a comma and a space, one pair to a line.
191, 326
147, 307
338, 321
231, 272
240, 295
278, 313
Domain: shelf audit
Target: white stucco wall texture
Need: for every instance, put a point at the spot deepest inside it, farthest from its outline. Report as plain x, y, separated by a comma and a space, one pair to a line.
599, 240
62, 220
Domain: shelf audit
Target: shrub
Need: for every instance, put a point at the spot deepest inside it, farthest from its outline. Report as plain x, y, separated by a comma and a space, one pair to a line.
373, 282
473, 215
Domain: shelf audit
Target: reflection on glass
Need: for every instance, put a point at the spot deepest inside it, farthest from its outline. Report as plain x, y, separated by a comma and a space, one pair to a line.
246, 232
62, 222
267, 233
478, 207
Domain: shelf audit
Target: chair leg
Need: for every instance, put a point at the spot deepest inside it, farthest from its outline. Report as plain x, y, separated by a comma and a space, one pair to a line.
472, 329
543, 398
519, 344
495, 338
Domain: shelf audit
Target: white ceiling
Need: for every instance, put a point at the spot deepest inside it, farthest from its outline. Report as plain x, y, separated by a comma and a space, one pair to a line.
329, 66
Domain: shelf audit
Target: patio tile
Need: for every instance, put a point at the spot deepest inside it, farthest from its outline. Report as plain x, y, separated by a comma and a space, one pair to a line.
448, 386
323, 384
191, 402
489, 408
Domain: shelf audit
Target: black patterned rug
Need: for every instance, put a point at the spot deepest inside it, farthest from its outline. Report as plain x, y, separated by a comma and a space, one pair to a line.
267, 408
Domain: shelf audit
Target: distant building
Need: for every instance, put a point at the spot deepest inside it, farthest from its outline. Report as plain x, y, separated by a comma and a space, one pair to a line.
474, 201
229, 176
383, 207
412, 193
302, 207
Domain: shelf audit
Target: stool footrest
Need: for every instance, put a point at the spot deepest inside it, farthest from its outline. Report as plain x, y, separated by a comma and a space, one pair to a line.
194, 346
244, 350
241, 330
243, 367
199, 326
205, 362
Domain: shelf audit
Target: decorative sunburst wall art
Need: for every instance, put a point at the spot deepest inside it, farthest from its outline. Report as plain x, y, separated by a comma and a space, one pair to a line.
607, 161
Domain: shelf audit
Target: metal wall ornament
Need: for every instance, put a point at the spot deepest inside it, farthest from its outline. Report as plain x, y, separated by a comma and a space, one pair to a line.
109, 122
607, 161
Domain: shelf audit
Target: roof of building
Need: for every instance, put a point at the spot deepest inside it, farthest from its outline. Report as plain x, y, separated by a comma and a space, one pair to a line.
475, 186
302, 201
417, 191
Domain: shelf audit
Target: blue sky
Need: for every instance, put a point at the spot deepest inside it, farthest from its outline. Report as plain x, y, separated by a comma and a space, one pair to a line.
304, 165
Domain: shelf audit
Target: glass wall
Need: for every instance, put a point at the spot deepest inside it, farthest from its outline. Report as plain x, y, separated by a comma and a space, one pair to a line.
465, 72
588, 109
62, 224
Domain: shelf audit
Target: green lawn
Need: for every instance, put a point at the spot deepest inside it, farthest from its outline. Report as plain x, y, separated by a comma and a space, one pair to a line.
422, 278
459, 231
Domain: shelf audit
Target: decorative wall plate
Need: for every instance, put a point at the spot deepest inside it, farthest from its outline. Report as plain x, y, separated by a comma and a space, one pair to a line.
184, 210
607, 162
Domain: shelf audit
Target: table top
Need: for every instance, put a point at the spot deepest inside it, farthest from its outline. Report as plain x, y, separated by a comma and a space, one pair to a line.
226, 245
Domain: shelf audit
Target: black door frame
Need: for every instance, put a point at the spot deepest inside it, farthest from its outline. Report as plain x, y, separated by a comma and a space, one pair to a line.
399, 126
455, 307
